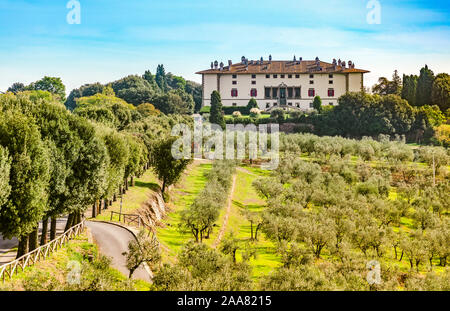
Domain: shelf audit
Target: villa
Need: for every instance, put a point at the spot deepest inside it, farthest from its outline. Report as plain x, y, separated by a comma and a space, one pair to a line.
281, 84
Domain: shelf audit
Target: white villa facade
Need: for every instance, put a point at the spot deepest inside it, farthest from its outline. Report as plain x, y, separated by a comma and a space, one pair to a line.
281, 84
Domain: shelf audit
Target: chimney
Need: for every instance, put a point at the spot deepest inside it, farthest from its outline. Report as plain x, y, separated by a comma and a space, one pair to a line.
243, 59
221, 66
300, 60
343, 64
230, 63
216, 64
270, 58
339, 62
212, 65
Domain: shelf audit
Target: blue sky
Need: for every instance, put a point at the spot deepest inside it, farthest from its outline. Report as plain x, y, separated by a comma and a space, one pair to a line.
117, 38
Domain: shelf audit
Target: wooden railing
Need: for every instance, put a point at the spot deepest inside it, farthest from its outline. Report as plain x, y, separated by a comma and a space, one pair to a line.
8, 270
133, 219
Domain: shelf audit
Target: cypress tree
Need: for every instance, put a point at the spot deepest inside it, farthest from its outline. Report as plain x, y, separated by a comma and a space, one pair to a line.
216, 112
440, 93
409, 88
160, 78
317, 104
424, 86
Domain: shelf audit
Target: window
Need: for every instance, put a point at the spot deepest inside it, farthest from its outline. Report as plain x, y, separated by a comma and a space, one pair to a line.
253, 82
275, 104
234, 82
330, 92
282, 76
297, 76
297, 92
311, 105
267, 105
290, 92
234, 76
289, 104
253, 92
330, 82
289, 76
274, 92
330, 76
234, 92
311, 76
311, 81
275, 76
253, 76
311, 92
267, 92
297, 104
331, 104
267, 76
234, 104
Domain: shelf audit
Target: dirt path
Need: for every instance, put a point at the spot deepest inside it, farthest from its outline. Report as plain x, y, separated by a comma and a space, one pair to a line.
246, 171
227, 215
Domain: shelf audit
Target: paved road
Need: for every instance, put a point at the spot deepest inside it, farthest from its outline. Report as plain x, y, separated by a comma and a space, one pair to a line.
112, 241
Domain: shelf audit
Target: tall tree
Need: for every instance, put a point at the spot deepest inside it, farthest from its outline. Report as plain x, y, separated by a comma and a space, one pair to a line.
409, 88
216, 112
84, 91
396, 84
251, 104
163, 163
16, 88
134, 90
5, 165
424, 86
440, 93
317, 104
29, 177
53, 85
386, 87
160, 78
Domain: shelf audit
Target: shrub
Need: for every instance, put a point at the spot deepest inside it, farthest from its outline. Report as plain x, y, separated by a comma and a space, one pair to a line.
236, 114
278, 114
255, 112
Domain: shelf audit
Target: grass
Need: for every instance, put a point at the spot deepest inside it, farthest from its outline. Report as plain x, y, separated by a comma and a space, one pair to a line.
181, 196
134, 198
246, 197
52, 273
261, 116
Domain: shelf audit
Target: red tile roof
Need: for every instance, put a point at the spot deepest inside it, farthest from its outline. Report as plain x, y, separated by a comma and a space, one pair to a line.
282, 67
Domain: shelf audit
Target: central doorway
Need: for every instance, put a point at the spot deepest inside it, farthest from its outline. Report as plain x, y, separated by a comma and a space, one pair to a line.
282, 96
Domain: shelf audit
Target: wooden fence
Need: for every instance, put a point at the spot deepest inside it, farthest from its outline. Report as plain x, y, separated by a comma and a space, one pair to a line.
8, 270
133, 219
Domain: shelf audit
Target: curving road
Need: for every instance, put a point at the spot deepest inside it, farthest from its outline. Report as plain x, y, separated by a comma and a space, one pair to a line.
112, 241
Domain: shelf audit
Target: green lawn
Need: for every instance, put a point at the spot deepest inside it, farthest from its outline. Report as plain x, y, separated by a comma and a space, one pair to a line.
181, 196
134, 198
51, 273
245, 197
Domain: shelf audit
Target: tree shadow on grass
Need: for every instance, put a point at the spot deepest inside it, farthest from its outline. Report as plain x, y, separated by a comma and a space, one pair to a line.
150, 185
248, 206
